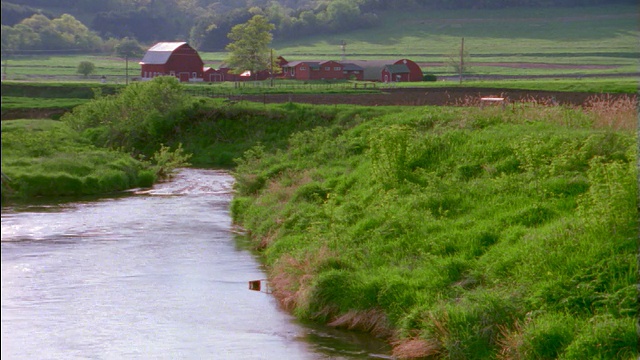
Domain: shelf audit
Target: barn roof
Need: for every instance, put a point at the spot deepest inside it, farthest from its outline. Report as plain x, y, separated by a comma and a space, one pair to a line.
159, 53
310, 63
397, 69
351, 67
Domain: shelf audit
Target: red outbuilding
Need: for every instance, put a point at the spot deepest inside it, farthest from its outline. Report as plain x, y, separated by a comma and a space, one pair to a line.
172, 59
400, 70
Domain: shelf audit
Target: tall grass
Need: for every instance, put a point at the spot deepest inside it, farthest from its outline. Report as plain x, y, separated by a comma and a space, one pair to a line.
46, 158
456, 232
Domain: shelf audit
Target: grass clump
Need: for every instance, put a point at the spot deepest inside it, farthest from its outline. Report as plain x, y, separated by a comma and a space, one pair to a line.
460, 232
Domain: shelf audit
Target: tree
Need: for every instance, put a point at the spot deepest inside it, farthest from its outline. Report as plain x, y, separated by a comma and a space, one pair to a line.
86, 68
249, 49
127, 48
341, 14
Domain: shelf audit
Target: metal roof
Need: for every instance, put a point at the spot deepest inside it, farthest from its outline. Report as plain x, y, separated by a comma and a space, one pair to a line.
307, 62
397, 69
159, 53
371, 69
351, 67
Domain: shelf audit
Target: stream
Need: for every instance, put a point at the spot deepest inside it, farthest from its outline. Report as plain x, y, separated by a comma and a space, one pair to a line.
156, 274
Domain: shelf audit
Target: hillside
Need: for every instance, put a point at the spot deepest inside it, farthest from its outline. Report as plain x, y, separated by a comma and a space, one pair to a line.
520, 41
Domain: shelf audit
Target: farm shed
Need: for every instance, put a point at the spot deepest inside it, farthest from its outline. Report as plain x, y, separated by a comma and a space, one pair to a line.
172, 59
390, 70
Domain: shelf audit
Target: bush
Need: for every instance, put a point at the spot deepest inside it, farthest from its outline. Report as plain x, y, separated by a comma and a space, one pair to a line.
429, 77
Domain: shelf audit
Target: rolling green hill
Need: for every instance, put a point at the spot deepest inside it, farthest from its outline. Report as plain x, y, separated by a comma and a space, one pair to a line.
602, 39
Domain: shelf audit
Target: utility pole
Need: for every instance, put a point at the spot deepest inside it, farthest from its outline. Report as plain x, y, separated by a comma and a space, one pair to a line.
271, 65
6, 64
461, 69
126, 69
343, 46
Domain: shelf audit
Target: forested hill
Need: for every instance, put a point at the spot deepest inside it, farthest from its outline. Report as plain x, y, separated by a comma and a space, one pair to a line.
206, 23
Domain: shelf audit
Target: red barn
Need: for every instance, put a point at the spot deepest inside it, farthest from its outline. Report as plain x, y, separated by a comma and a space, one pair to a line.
390, 70
172, 59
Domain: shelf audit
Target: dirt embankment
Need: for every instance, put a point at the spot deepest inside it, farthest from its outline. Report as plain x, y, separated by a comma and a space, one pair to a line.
432, 96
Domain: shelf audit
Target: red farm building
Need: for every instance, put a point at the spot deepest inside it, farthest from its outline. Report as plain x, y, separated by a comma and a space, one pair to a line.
372, 70
172, 59
182, 61
321, 70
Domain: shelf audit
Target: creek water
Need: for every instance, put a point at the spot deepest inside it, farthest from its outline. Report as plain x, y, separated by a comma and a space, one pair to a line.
151, 275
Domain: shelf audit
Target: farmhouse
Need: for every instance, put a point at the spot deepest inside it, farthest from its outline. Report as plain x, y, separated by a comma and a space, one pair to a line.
172, 59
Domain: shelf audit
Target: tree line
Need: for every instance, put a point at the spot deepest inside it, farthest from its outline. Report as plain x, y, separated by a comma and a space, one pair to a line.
206, 23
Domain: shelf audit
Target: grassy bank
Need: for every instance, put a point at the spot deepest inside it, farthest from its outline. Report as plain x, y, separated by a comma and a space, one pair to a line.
455, 232
109, 144
47, 158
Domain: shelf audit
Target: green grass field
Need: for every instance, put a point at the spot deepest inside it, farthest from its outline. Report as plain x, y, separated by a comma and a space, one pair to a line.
14, 102
576, 36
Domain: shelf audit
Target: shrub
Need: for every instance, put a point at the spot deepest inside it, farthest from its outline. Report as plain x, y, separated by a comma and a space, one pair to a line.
166, 161
429, 77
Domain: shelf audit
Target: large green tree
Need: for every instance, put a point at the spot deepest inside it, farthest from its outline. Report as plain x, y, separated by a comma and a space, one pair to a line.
40, 33
249, 49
